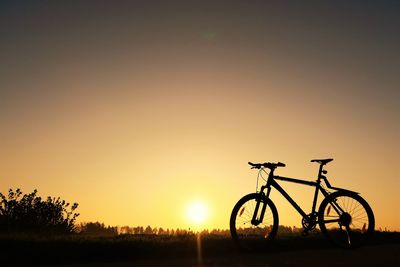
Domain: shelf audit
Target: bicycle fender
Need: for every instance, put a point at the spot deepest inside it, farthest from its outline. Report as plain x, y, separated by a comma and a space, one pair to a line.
338, 189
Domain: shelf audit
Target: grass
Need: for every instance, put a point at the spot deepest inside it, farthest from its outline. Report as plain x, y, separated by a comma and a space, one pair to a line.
22, 249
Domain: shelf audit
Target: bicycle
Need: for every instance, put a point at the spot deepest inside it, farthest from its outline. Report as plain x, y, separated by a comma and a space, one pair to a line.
343, 216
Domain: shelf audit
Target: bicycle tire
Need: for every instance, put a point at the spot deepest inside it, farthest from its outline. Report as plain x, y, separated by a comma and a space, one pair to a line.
355, 220
243, 232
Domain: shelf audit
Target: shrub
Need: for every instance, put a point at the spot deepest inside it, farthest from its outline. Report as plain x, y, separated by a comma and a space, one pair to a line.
29, 213
97, 229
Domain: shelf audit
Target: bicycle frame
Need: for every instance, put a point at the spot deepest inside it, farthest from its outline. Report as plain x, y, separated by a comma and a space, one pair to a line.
271, 182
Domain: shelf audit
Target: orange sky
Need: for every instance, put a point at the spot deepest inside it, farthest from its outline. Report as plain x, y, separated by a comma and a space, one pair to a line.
135, 110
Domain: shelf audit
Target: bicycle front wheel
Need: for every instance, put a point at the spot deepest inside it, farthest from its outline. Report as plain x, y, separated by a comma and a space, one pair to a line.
346, 219
243, 231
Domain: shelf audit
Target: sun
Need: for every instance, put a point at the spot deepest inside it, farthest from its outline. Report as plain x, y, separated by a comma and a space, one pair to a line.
197, 212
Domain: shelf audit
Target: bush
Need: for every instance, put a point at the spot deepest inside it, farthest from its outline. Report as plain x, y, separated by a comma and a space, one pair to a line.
97, 229
29, 213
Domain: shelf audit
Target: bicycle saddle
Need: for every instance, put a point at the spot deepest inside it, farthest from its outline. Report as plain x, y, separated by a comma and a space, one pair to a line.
322, 161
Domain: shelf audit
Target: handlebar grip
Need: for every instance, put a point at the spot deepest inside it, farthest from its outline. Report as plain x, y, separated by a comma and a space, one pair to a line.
254, 165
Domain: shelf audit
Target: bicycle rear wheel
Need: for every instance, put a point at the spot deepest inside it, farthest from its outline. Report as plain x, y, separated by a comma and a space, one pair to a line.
244, 233
346, 219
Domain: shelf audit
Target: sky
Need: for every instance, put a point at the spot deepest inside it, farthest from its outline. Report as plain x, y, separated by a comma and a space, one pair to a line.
135, 109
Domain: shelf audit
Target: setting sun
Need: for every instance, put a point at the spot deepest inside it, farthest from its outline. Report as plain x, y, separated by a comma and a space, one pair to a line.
197, 212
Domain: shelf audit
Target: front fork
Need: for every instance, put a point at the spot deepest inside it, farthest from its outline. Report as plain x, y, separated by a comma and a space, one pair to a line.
258, 218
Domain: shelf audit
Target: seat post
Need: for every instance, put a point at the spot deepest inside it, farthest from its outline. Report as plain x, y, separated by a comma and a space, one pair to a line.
314, 205
321, 165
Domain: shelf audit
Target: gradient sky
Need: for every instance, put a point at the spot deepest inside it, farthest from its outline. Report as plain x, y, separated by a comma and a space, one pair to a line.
135, 109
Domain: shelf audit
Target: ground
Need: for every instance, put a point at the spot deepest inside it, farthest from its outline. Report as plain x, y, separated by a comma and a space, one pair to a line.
382, 255
214, 251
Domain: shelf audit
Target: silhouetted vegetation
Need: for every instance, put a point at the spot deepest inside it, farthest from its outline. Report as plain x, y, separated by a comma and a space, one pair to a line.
30, 214
97, 229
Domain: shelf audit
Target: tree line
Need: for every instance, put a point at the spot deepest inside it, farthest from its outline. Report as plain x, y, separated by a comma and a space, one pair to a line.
29, 213
100, 229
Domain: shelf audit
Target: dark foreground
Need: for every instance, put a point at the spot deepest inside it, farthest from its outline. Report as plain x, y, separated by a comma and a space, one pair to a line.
382, 255
184, 251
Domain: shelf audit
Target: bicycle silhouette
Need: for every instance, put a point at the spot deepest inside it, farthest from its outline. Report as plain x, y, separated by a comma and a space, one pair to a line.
343, 216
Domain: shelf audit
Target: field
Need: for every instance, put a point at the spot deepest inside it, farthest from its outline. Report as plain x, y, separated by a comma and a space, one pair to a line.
189, 250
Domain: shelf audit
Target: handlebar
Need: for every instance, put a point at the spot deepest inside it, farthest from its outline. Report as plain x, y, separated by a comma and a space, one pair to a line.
269, 165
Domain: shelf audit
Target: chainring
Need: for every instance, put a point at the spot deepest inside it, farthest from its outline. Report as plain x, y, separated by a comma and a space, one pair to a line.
309, 223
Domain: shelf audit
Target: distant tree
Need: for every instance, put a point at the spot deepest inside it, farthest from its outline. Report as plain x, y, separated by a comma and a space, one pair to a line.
148, 230
136, 230
180, 232
126, 230
29, 213
97, 229
139, 230
161, 231
215, 231
177, 232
